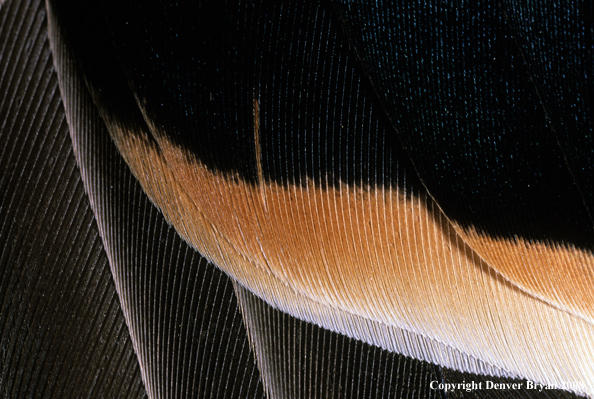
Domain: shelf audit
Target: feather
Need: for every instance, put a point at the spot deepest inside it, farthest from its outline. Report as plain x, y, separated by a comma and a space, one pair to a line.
62, 331
270, 142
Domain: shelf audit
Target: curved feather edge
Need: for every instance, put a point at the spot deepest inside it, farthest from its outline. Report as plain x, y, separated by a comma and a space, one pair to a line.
559, 273
165, 288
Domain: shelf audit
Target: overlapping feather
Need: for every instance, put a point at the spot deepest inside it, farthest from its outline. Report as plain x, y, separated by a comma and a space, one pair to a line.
380, 259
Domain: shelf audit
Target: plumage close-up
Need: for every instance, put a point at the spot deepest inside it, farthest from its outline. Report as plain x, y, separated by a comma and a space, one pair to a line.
296, 199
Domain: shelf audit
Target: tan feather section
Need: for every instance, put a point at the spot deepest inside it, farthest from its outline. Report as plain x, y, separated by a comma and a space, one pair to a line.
384, 255
560, 274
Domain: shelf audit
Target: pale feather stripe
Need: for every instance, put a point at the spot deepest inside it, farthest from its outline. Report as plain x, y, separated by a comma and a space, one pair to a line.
426, 280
